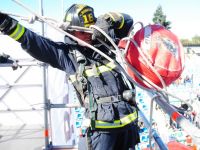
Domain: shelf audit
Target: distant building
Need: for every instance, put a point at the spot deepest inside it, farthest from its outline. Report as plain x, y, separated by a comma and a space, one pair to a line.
192, 49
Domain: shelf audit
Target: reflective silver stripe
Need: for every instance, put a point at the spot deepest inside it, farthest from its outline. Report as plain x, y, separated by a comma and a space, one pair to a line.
90, 72
18, 32
117, 123
72, 78
100, 69
114, 18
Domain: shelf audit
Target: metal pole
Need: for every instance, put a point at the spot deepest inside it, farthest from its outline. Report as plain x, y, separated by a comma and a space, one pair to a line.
185, 124
155, 135
150, 128
20, 64
46, 123
7, 86
46, 108
42, 14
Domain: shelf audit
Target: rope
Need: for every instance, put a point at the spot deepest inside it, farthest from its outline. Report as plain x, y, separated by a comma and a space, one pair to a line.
65, 33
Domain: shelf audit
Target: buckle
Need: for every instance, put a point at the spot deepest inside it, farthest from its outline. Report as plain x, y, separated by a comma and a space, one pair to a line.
109, 99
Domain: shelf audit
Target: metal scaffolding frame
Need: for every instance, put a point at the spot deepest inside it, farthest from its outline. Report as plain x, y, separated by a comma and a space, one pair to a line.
9, 87
47, 105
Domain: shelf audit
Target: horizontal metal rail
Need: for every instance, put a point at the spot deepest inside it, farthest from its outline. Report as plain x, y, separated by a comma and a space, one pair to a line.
19, 86
20, 110
184, 123
20, 64
49, 106
72, 105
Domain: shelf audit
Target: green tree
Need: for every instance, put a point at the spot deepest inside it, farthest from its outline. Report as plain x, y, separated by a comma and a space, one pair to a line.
196, 39
160, 18
185, 41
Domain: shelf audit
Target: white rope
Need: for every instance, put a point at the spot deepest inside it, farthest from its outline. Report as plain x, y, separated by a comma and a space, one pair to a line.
119, 54
147, 61
65, 33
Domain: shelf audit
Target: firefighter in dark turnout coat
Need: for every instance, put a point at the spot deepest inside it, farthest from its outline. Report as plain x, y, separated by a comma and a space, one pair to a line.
112, 118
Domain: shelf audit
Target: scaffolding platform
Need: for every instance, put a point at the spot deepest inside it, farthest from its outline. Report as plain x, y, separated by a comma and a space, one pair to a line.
23, 137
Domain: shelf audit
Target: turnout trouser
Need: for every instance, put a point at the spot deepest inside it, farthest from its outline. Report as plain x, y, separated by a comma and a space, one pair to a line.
115, 140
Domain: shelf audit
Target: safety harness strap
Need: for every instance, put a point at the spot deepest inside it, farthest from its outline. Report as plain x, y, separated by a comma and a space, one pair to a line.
92, 107
88, 139
96, 71
76, 81
109, 99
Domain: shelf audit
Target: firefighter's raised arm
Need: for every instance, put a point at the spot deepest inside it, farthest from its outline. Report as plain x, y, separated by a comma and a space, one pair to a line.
43, 49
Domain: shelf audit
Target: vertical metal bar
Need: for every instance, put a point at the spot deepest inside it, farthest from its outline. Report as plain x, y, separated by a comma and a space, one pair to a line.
155, 135
42, 14
150, 128
62, 3
46, 122
46, 108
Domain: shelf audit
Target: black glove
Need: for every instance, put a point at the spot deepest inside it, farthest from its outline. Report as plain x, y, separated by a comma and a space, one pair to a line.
7, 23
3, 21
4, 58
102, 24
2, 17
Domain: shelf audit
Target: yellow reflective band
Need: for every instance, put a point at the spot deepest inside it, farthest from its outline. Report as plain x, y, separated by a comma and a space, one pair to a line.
68, 18
113, 18
90, 72
72, 78
15, 32
18, 33
104, 69
101, 69
121, 16
122, 23
111, 65
117, 123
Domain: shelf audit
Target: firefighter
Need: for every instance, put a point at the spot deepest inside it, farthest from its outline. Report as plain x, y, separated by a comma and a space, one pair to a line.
111, 116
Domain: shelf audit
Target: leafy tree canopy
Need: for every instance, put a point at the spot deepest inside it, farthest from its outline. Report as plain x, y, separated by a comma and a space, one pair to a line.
160, 18
194, 41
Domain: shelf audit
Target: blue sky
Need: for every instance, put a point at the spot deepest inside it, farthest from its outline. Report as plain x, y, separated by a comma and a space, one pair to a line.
183, 14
